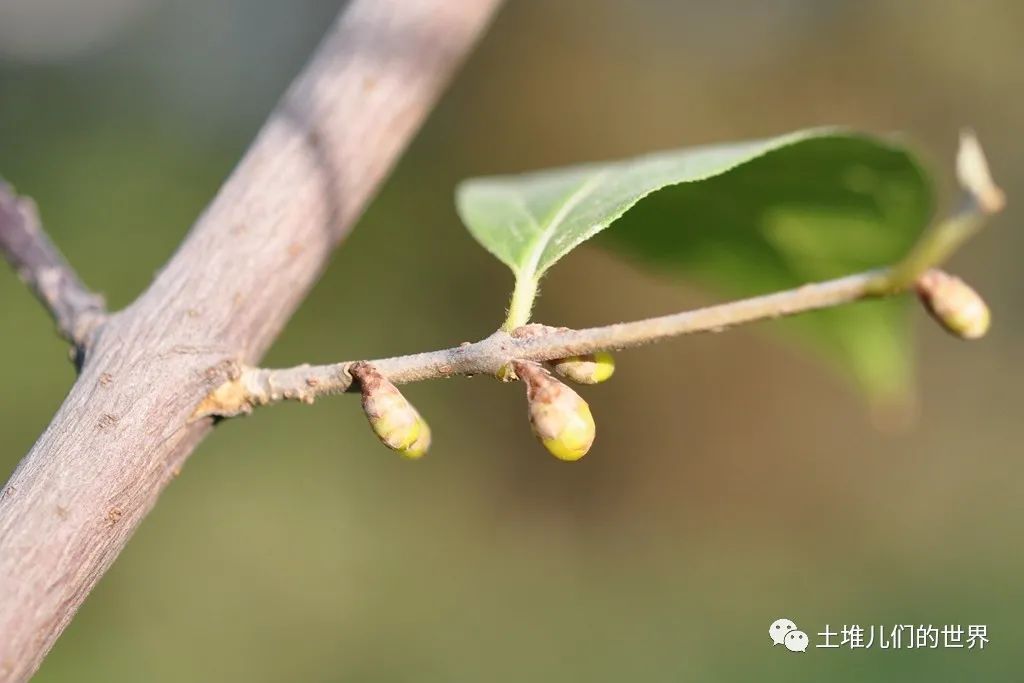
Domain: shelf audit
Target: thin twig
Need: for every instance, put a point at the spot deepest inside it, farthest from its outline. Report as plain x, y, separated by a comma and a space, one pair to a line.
492, 355
76, 310
249, 387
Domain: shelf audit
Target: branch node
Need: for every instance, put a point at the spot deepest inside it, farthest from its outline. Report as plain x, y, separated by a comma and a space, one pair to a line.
230, 399
582, 355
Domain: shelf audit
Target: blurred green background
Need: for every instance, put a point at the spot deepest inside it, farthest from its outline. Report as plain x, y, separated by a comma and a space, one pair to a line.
734, 481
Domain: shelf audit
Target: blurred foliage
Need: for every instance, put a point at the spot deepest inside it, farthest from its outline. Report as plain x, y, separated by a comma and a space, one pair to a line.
745, 486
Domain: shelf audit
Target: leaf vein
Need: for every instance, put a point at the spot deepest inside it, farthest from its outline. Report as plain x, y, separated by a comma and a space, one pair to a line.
551, 225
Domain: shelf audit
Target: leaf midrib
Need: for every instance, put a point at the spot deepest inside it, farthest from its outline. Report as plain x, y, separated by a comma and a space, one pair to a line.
539, 244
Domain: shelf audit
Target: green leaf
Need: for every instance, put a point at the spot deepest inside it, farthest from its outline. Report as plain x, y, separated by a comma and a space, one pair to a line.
744, 218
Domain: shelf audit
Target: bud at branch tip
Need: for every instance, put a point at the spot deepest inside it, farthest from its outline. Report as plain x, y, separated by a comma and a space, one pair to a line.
954, 304
973, 174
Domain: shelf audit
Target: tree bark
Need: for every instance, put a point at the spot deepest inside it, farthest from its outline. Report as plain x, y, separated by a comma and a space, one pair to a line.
123, 431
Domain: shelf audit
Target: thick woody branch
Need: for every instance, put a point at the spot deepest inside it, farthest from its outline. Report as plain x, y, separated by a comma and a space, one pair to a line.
249, 386
123, 431
76, 310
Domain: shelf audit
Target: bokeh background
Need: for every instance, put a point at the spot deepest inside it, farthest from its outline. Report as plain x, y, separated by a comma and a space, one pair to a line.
734, 481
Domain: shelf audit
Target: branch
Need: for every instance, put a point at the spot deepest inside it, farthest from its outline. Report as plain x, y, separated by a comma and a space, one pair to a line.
982, 198
123, 431
250, 386
76, 310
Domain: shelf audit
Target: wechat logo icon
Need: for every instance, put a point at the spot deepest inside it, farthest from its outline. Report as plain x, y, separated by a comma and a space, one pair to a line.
784, 632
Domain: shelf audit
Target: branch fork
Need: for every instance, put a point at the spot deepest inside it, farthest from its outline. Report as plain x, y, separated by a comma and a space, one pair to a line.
122, 434
79, 313
36, 545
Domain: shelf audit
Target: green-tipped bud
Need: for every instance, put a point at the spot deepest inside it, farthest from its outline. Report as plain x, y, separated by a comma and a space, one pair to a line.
559, 417
395, 422
591, 368
954, 304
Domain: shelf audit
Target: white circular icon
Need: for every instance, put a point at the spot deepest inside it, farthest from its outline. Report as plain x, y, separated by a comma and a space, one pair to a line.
779, 629
796, 641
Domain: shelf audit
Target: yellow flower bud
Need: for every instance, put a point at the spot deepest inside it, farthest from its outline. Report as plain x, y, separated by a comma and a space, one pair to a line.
559, 417
419, 447
591, 368
954, 304
395, 422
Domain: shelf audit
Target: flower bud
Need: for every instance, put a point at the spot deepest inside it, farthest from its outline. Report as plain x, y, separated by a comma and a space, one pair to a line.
393, 419
954, 304
590, 368
559, 417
